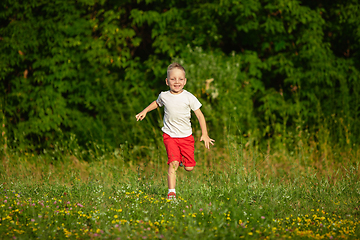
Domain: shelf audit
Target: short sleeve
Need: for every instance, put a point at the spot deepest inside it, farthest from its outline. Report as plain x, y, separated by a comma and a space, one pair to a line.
194, 103
159, 100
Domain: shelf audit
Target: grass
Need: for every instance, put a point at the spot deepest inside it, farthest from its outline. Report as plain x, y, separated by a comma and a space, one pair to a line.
243, 194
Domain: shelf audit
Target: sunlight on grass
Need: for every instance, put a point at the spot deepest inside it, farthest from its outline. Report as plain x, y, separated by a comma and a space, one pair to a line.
241, 198
139, 215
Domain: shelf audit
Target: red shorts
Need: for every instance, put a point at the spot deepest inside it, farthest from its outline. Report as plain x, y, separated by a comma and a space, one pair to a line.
180, 149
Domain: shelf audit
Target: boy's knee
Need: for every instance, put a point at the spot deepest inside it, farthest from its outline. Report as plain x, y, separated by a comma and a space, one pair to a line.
174, 164
189, 169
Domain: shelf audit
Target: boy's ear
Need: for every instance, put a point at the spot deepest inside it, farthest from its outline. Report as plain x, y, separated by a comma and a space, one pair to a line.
185, 81
167, 83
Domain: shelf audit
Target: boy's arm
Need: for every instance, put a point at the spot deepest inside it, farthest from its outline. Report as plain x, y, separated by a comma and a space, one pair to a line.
149, 108
204, 136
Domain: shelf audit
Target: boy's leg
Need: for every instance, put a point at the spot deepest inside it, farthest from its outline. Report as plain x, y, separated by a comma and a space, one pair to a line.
173, 166
174, 155
187, 151
189, 169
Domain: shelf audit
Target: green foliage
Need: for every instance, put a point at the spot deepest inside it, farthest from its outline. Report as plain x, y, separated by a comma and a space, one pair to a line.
63, 70
83, 69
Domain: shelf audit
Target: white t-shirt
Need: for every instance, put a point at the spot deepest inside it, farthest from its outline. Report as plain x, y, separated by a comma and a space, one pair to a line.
177, 112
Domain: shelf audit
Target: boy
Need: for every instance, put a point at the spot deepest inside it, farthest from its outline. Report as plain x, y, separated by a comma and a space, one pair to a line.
177, 132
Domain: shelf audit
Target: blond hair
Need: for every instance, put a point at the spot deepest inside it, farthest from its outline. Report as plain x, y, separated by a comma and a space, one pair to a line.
174, 65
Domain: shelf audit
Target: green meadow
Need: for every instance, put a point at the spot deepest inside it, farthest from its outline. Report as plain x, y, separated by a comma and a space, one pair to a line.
279, 83
242, 194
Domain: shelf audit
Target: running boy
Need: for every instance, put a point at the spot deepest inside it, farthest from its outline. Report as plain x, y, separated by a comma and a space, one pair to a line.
177, 132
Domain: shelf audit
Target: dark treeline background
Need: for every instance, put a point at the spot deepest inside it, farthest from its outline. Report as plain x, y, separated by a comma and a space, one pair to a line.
74, 73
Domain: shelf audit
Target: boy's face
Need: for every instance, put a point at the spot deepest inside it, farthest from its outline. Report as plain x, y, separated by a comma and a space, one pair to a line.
176, 80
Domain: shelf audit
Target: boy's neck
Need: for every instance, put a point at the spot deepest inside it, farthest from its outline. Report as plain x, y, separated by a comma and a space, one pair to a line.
177, 92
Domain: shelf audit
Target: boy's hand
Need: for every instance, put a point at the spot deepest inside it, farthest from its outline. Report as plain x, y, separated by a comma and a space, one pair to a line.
207, 140
149, 108
141, 116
